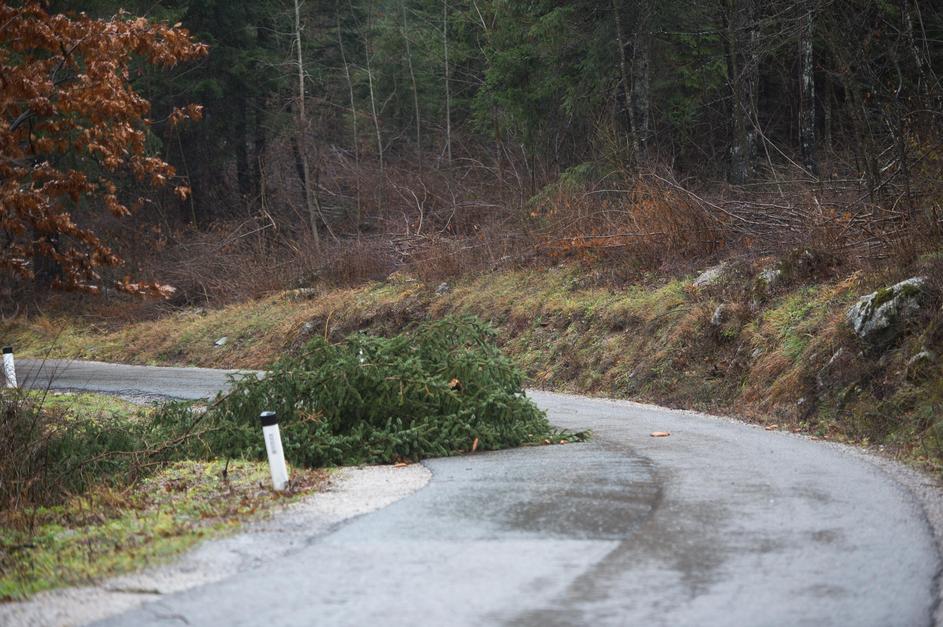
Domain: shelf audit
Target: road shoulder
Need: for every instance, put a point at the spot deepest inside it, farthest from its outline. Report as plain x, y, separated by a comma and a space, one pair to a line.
351, 492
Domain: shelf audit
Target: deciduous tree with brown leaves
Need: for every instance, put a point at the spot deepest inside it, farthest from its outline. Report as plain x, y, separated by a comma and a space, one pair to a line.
72, 128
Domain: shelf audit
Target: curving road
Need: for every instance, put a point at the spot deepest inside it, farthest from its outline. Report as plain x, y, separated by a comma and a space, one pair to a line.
721, 523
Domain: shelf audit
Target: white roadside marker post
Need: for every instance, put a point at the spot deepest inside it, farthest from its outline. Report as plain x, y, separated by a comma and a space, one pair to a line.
9, 370
273, 446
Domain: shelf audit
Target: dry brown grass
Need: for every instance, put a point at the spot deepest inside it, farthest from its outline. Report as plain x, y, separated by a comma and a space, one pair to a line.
642, 228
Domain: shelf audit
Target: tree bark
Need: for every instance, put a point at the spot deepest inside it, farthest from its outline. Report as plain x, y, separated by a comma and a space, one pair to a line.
742, 74
641, 63
807, 90
908, 23
448, 92
627, 109
241, 148
828, 100
353, 121
412, 78
301, 136
373, 100
259, 130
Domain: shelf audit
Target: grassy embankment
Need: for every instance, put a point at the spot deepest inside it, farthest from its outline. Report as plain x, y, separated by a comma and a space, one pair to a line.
779, 354
114, 526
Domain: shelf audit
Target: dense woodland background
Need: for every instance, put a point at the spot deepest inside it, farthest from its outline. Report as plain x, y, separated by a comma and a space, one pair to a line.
345, 140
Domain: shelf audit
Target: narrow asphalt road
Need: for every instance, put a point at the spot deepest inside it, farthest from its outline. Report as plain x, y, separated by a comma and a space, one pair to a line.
721, 523
146, 381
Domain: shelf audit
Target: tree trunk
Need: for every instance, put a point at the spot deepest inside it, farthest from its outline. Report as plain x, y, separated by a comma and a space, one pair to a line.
301, 136
353, 121
627, 109
259, 130
448, 92
807, 90
752, 67
412, 78
641, 62
259, 143
742, 73
373, 100
241, 148
827, 102
908, 23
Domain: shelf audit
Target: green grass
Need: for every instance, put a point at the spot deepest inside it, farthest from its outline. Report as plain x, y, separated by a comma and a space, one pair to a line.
647, 305
107, 532
797, 317
67, 520
84, 404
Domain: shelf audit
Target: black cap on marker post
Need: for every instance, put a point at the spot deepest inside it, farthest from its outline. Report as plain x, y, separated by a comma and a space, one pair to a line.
7, 350
268, 418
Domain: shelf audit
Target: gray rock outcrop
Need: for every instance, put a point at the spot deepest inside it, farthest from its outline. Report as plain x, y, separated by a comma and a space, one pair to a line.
720, 314
710, 276
879, 316
770, 276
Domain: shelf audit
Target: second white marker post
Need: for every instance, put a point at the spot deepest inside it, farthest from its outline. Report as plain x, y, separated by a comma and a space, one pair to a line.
9, 369
273, 446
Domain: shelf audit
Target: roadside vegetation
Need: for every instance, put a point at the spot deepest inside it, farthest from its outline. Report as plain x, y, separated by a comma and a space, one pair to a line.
768, 340
92, 486
108, 531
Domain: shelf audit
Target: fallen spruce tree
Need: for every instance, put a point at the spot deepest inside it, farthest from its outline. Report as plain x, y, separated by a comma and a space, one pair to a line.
443, 389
